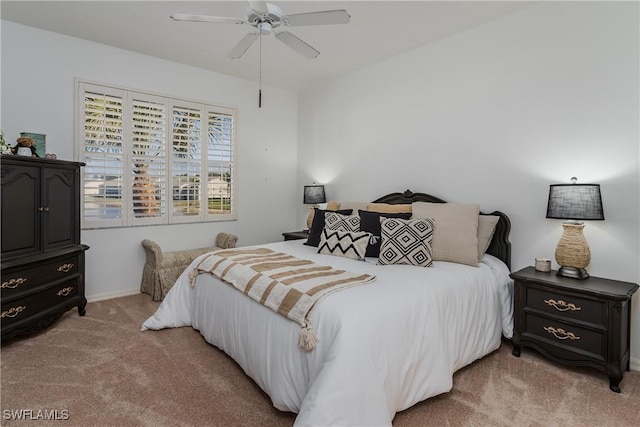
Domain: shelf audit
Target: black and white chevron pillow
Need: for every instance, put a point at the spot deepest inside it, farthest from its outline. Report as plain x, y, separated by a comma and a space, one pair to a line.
335, 221
406, 241
348, 244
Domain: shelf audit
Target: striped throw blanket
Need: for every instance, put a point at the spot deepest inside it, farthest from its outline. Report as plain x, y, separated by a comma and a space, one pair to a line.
288, 285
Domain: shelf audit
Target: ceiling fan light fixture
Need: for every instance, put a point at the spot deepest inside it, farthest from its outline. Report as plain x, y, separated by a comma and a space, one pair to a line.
265, 28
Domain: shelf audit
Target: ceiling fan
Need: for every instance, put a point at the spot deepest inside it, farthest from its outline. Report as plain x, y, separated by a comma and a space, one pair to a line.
267, 18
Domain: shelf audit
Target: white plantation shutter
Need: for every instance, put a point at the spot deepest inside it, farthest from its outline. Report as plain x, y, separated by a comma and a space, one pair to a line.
220, 157
149, 159
152, 159
102, 129
186, 162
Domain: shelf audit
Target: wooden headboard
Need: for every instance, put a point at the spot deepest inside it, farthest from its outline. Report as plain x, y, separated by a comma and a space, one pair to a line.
500, 247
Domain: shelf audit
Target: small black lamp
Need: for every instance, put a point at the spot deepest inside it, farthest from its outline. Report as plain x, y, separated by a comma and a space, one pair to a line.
574, 202
313, 194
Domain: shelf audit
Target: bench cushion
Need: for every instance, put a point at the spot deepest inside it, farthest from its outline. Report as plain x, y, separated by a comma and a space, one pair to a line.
162, 269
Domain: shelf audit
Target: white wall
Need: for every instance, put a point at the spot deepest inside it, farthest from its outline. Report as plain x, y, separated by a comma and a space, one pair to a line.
38, 72
493, 116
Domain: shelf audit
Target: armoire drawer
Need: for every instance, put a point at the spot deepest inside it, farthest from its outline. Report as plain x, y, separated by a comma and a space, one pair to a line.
22, 308
16, 281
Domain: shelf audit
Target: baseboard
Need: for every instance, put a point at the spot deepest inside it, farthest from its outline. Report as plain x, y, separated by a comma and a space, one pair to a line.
111, 295
634, 365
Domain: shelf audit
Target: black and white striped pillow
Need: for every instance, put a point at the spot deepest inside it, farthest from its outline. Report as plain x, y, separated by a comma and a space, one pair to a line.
406, 241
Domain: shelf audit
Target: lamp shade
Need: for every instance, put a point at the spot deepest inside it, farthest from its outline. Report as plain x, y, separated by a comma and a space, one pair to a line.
575, 201
314, 194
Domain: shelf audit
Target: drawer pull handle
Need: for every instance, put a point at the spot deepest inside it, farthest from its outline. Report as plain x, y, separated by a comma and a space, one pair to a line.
561, 305
13, 311
561, 334
65, 268
14, 283
65, 291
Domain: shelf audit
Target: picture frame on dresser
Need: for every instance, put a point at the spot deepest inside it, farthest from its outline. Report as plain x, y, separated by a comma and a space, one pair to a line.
39, 140
43, 259
574, 322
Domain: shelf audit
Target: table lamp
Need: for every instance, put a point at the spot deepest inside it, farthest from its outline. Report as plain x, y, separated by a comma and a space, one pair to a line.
313, 194
574, 202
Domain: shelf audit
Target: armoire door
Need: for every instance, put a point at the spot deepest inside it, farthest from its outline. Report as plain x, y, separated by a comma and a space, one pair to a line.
59, 210
20, 215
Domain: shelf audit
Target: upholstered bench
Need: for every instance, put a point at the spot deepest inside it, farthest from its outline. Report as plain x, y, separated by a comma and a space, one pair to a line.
161, 269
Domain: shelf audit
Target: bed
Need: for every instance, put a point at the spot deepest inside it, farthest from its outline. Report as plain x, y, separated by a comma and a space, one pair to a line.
382, 347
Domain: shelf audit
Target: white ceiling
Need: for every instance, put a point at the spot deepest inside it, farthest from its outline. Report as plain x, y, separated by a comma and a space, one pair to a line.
378, 30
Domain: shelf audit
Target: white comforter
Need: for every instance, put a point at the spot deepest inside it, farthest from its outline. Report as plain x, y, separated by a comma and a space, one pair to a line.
382, 347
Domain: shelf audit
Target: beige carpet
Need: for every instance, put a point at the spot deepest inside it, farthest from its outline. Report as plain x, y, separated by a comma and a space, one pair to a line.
104, 372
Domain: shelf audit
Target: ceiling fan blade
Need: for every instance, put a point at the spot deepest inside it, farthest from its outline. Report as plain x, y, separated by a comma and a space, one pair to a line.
297, 44
206, 18
243, 45
259, 7
327, 17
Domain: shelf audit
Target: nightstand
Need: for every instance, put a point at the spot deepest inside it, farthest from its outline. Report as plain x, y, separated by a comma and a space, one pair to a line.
574, 322
296, 235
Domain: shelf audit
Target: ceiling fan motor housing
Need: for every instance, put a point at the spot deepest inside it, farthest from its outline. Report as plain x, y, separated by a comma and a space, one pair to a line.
273, 18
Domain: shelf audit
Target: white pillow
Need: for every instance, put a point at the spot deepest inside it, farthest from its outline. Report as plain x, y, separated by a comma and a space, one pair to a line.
456, 230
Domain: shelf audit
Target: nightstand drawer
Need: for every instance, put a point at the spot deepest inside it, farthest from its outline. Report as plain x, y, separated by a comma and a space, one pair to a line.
568, 306
16, 281
567, 336
23, 308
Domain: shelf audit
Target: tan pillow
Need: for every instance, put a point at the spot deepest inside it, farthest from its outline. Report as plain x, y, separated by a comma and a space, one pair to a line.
387, 208
333, 205
354, 205
486, 228
455, 236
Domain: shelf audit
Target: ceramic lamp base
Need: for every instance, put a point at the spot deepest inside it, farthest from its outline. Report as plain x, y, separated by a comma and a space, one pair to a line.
310, 217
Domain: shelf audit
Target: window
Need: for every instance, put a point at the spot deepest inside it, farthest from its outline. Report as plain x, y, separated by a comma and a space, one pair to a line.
152, 159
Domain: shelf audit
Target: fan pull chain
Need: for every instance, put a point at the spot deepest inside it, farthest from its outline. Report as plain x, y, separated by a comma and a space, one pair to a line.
260, 69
